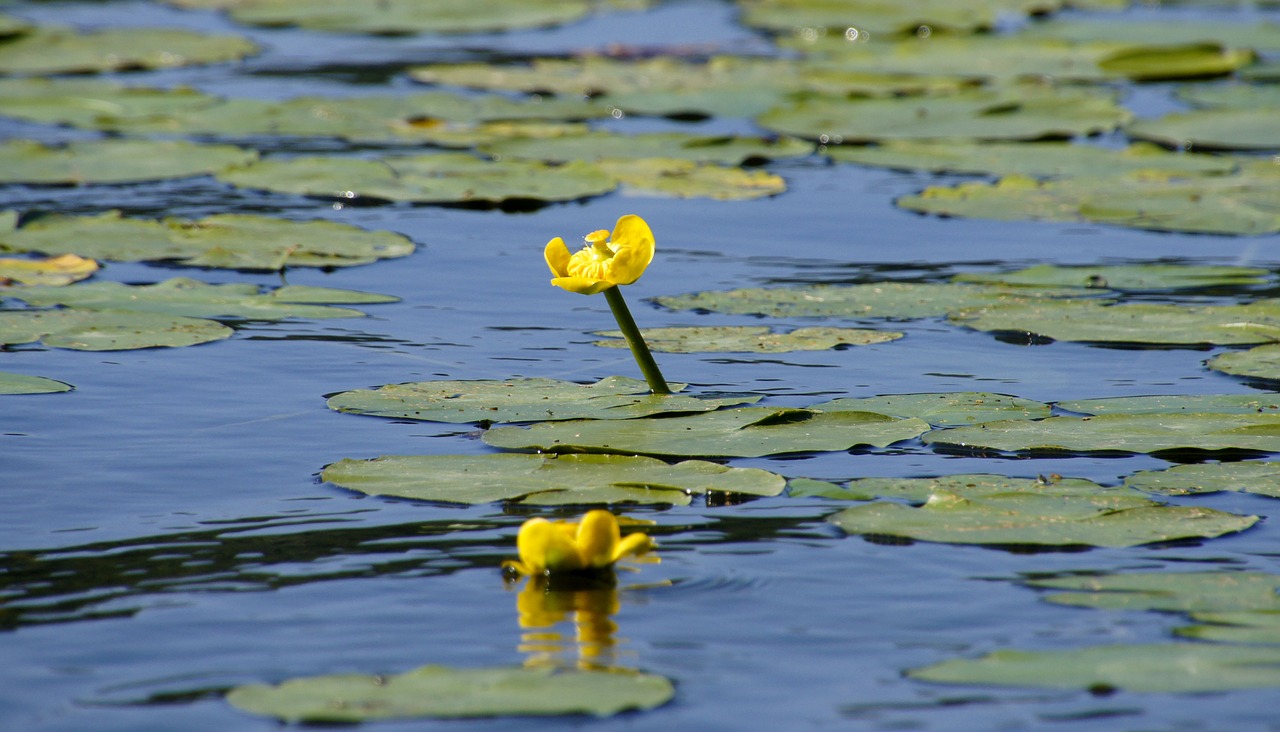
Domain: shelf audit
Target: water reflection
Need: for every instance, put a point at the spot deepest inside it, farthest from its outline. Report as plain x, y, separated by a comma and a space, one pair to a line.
546, 612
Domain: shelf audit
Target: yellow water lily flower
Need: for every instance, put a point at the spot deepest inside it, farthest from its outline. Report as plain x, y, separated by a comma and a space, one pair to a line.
594, 543
607, 259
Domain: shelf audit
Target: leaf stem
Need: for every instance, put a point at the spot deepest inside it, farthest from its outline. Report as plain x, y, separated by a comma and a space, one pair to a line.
639, 349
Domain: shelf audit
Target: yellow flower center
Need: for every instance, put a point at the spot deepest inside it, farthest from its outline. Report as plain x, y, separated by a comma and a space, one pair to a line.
594, 260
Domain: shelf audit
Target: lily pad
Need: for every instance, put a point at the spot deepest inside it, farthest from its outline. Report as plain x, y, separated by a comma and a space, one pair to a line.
521, 400
237, 241
1219, 591
546, 479
1031, 518
114, 161
1255, 628
1178, 404
1213, 129
1095, 322
888, 18
50, 271
94, 103
1260, 362
1250, 476
106, 330
440, 178
1239, 203
1125, 277
687, 179
11, 383
742, 432
945, 409
401, 17
590, 146
1236, 96
437, 691
56, 50
188, 297
1254, 34
750, 339
1013, 113
1168, 667
1136, 433
872, 300
1036, 159
981, 486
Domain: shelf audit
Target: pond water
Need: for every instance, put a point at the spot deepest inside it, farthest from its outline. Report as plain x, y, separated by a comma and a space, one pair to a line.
166, 535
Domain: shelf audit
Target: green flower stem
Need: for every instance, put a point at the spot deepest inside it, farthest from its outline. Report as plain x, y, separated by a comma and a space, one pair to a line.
639, 348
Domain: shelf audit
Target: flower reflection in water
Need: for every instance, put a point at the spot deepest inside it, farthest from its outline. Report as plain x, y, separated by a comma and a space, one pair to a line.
590, 608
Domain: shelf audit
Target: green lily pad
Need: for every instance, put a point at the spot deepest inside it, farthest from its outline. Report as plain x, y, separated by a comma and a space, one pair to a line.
980, 486
1260, 362
55, 50
590, 146
188, 297
742, 432
1255, 628
1138, 433
1235, 96
1125, 277
94, 103
749, 339
1258, 35
437, 691
237, 241
106, 330
1178, 404
546, 479
945, 409
1036, 159
11, 383
1239, 203
687, 179
1012, 113
1168, 667
1213, 129
470, 134
521, 400
443, 177
1250, 476
114, 161
1186, 61
1219, 591
872, 300
1095, 322
13, 26
887, 18
401, 17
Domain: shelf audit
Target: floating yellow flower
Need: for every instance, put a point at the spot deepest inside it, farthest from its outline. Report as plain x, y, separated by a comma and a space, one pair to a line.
594, 543
607, 260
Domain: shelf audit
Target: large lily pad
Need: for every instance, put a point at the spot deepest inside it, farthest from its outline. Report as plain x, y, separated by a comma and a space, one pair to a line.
49, 271
945, 409
750, 339
522, 400
1260, 362
1236, 96
192, 298
54, 50
546, 479
93, 103
872, 300
743, 432
1037, 159
401, 17
1009, 113
436, 691
1213, 129
1139, 433
114, 161
11, 383
1253, 34
1170, 667
1178, 404
1220, 591
1249, 476
106, 330
887, 18
239, 241
1239, 203
980, 486
1127, 277
444, 177
727, 149
1095, 322
1255, 627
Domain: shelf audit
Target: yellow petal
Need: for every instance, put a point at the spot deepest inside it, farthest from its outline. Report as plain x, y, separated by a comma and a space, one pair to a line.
633, 243
598, 537
582, 285
633, 545
543, 547
557, 256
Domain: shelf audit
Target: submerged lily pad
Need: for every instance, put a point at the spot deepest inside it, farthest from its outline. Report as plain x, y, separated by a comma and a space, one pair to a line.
1139, 433
872, 300
725, 149
1213, 129
742, 432
1178, 404
114, 161
401, 17
106, 330
945, 409
1260, 362
437, 691
1169, 668
1095, 322
1036, 159
192, 298
522, 400
1250, 476
687, 179
546, 479
50, 271
237, 241
1219, 591
1127, 277
56, 50
441, 178
11, 383
749, 339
